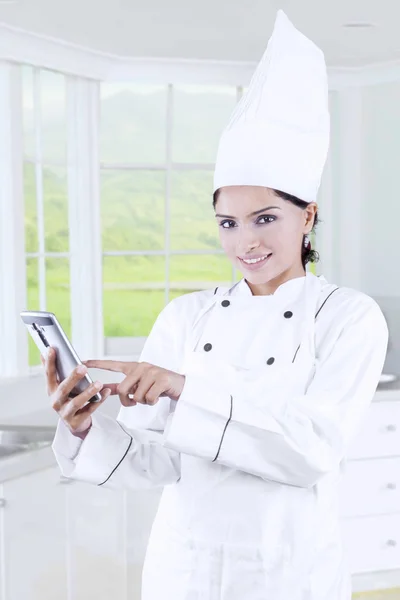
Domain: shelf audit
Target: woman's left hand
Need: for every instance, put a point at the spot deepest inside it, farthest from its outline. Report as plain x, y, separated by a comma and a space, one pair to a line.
146, 382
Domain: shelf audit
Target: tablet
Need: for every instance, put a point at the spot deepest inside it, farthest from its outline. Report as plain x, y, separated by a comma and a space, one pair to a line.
46, 331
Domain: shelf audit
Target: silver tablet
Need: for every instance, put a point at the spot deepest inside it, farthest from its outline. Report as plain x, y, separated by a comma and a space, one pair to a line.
46, 331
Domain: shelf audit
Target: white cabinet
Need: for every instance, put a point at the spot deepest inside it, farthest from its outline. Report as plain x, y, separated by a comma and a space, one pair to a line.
2, 564
96, 552
372, 544
33, 538
380, 433
370, 493
67, 540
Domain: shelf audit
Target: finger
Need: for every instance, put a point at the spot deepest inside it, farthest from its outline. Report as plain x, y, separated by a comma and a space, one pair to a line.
73, 405
67, 385
154, 393
127, 399
89, 408
110, 365
113, 387
126, 387
51, 372
145, 383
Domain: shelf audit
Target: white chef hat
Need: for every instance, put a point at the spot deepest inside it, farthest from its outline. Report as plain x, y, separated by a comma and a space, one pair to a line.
278, 135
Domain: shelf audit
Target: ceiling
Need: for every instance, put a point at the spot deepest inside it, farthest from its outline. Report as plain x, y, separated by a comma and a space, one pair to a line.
212, 29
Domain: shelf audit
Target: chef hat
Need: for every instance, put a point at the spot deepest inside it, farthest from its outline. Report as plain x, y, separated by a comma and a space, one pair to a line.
278, 135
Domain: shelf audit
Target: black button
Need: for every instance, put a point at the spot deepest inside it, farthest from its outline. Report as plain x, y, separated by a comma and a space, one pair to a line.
270, 361
288, 314
207, 347
225, 303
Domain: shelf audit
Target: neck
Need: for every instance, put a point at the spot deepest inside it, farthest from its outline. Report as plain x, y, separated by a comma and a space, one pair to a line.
270, 287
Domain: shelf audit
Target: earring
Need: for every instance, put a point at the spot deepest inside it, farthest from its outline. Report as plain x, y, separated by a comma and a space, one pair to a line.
307, 243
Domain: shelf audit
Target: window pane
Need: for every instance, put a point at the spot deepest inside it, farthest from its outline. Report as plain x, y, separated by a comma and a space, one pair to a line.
31, 230
193, 225
58, 291
32, 304
133, 123
134, 294
200, 115
53, 116
55, 209
132, 210
28, 113
189, 273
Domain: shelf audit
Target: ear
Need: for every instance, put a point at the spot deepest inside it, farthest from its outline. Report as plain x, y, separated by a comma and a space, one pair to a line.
309, 213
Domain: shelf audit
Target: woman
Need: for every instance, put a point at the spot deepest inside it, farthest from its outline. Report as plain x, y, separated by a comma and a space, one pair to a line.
253, 393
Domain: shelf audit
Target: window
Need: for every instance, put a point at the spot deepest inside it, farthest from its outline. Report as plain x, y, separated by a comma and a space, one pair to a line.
158, 146
46, 197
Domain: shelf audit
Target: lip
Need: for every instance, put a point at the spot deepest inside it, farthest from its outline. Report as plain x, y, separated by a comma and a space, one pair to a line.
255, 266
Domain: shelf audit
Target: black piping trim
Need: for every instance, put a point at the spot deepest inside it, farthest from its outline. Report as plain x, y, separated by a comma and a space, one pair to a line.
223, 434
294, 357
326, 299
127, 450
215, 291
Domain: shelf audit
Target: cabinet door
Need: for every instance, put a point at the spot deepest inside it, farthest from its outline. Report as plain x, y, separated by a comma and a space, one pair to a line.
2, 564
96, 542
34, 565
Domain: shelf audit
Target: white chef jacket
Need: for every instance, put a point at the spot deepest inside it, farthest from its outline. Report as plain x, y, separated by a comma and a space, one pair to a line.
251, 455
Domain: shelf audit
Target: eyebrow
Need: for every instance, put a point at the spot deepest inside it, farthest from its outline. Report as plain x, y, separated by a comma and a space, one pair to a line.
256, 212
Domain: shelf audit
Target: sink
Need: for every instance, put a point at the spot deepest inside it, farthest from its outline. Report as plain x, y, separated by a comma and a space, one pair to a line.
15, 439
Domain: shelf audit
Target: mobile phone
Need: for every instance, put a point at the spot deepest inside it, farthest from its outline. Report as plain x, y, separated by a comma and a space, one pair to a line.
46, 331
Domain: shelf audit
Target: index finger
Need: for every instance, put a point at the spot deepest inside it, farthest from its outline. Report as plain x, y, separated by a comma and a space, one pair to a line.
110, 365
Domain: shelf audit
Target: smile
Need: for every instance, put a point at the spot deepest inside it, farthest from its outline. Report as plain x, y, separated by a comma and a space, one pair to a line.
255, 262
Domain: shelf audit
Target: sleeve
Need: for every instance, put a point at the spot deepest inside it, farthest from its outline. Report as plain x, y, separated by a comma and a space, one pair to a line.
128, 452
291, 440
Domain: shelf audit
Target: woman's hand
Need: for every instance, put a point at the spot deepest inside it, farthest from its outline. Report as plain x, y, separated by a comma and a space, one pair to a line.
146, 382
75, 412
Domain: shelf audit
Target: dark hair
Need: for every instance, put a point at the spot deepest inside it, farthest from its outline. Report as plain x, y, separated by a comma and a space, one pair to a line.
307, 253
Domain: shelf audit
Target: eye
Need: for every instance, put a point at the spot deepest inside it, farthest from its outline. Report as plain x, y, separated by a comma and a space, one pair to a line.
271, 217
223, 223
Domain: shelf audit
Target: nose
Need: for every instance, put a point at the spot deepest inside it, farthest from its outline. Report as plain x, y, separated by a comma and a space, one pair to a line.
248, 240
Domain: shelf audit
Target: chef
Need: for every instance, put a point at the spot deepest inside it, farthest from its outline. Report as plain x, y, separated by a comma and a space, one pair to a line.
245, 399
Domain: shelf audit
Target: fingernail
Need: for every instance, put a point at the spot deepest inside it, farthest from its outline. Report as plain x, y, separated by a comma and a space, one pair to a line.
98, 385
81, 370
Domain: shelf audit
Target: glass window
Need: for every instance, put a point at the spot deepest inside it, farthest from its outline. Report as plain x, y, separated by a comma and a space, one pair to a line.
134, 294
55, 196
133, 123
190, 273
193, 225
199, 117
132, 210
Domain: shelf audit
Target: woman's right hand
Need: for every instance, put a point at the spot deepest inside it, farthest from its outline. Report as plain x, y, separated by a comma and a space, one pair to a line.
75, 412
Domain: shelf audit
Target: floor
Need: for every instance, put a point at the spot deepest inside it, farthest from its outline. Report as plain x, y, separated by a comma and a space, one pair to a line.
393, 594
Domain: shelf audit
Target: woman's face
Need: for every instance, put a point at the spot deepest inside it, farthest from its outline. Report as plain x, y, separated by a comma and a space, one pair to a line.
255, 223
